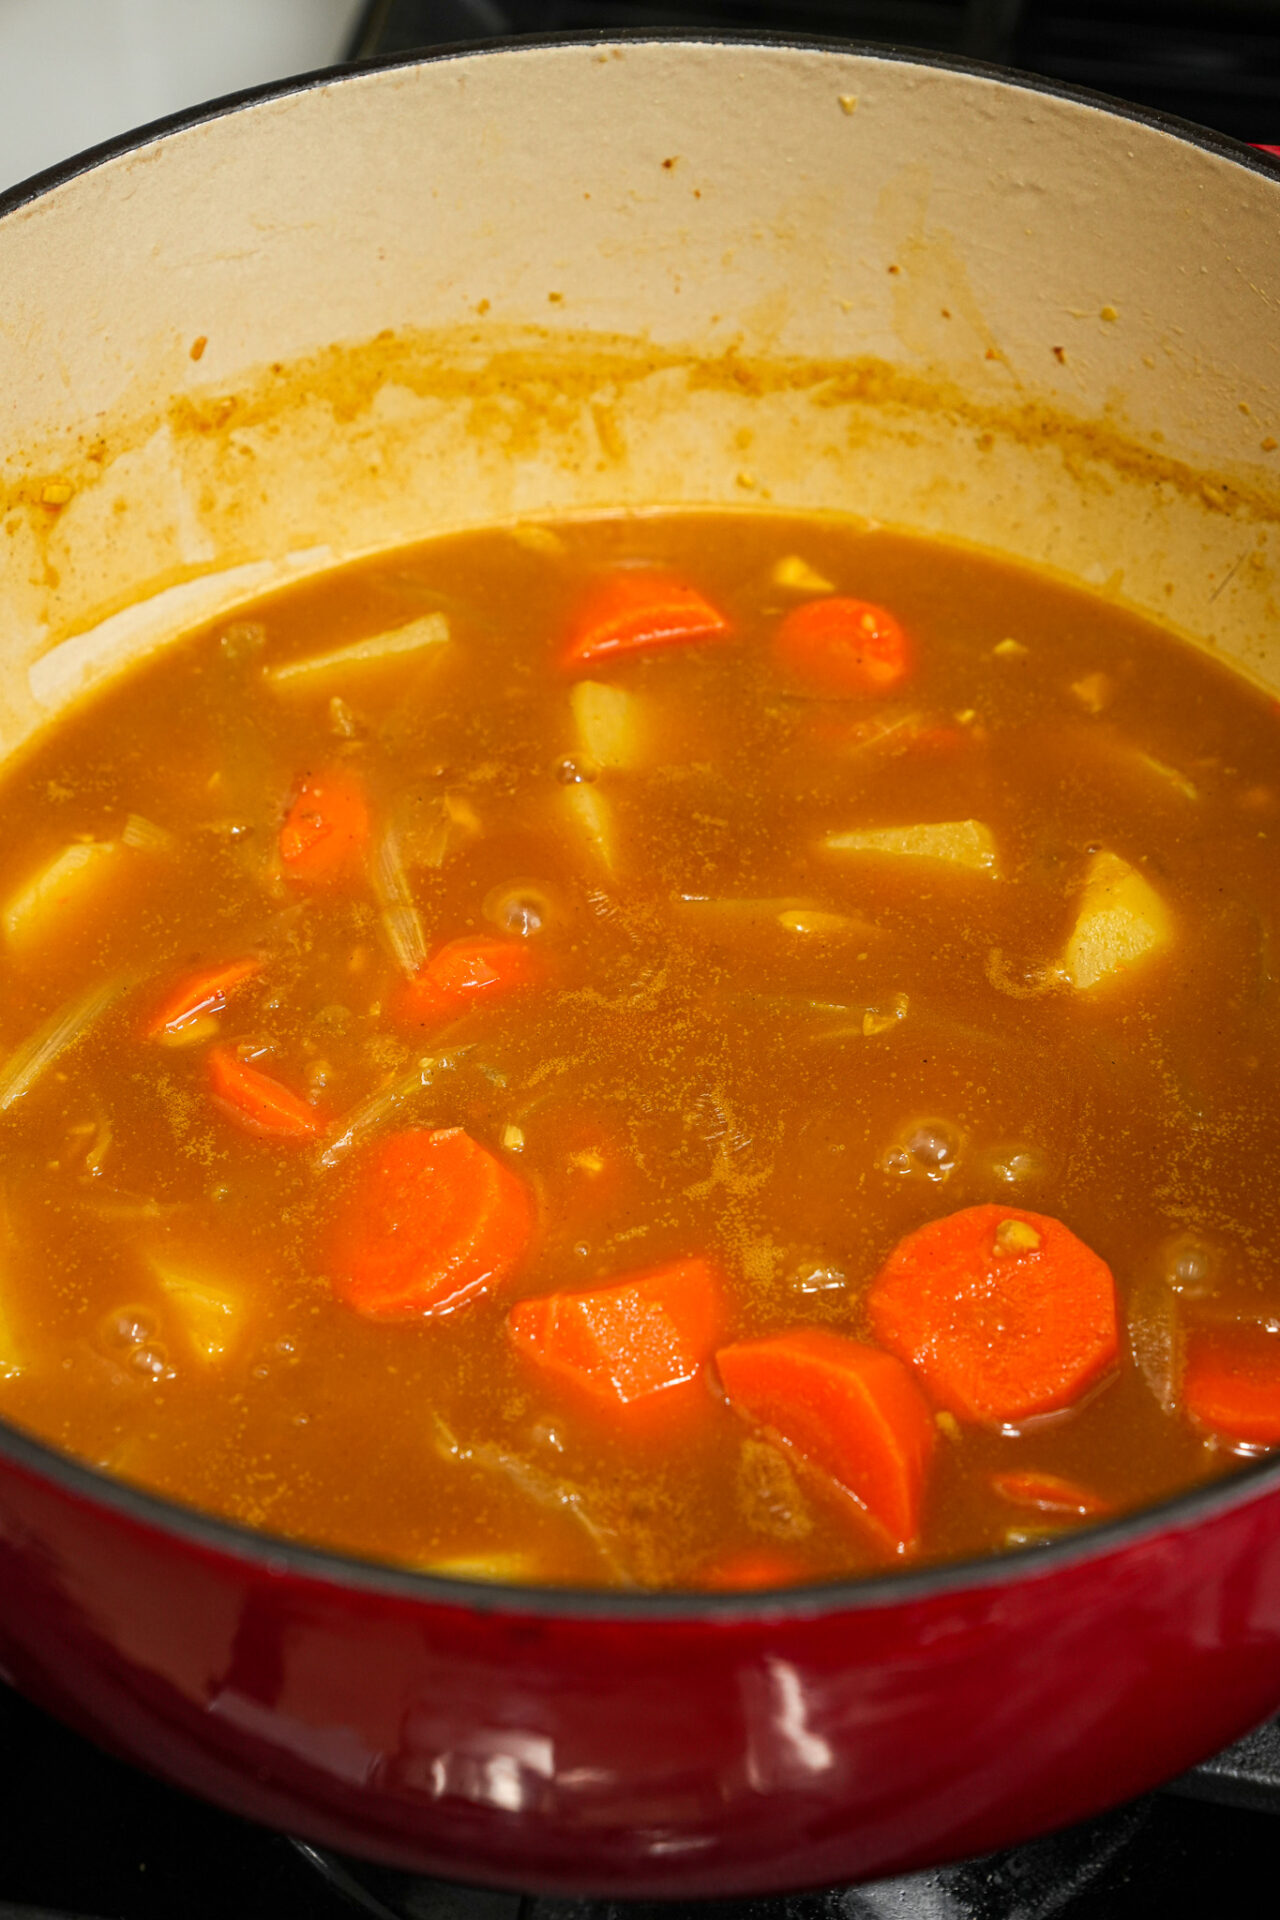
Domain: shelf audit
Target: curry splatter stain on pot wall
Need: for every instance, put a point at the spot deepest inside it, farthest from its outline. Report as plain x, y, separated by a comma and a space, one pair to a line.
368, 445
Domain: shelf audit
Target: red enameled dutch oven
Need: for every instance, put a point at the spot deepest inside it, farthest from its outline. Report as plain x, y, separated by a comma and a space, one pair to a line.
333, 315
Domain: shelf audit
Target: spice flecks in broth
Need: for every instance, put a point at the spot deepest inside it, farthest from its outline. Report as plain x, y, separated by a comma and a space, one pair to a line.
674, 1052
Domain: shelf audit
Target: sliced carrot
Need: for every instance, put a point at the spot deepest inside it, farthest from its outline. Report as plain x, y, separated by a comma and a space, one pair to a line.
636, 611
207, 990
1004, 1314
461, 974
429, 1221
257, 1102
853, 1412
1049, 1493
754, 1567
1232, 1385
644, 1336
326, 829
842, 647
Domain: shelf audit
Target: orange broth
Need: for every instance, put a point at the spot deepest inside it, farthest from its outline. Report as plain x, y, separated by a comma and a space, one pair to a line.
715, 1045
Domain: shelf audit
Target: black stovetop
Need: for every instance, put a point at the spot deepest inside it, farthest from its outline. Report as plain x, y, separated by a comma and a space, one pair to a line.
84, 1837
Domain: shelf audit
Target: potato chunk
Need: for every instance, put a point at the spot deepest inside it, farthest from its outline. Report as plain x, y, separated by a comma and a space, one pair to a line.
511, 1567
592, 817
816, 923
1122, 919
961, 843
304, 676
10, 1356
62, 886
795, 573
610, 723
210, 1312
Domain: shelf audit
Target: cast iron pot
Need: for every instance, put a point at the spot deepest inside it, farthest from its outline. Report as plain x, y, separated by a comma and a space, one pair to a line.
322, 319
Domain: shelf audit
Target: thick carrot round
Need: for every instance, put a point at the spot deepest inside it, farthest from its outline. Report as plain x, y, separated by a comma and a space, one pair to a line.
205, 991
853, 1412
1049, 1493
326, 829
1232, 1385
256, 1101
636, 611
461, 974
1004, 1314
429, 1221
634, 1340
842, 647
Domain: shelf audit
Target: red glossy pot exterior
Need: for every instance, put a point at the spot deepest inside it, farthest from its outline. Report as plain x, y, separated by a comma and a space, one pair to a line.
658, 1748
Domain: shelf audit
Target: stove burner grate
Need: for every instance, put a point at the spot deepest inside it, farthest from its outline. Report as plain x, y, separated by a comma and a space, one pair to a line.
1044, 1880
85, 1837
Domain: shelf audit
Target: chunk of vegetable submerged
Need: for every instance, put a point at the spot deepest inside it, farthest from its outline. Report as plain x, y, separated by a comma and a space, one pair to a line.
11, 1360
460, 975
840, 648
1049, 1493
258, 1102
144, 836
326, 829
308, 675
961, 843
853, 1412
400, 918
637, 1338
817, 923
429, 1222
794, 573
385, 1103
197, 995
1232, 1385
726, 918
592, 817
611, 724
210, 1312
63, 1030
1122, 920
67, 883
1004, 1314
637, 611
751, 1569
509, 1568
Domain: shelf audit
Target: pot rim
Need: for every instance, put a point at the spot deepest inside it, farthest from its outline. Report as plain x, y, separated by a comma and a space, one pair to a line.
278, 1557
1258, 159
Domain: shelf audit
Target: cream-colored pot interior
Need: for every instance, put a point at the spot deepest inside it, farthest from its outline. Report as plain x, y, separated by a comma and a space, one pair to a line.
560, 278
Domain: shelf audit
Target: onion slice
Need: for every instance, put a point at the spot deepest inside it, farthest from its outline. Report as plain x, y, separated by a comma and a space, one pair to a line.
400, 919
386, 1102
62, 1031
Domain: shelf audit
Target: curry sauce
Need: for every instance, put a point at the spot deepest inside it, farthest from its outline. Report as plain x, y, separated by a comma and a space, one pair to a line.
669, 1050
